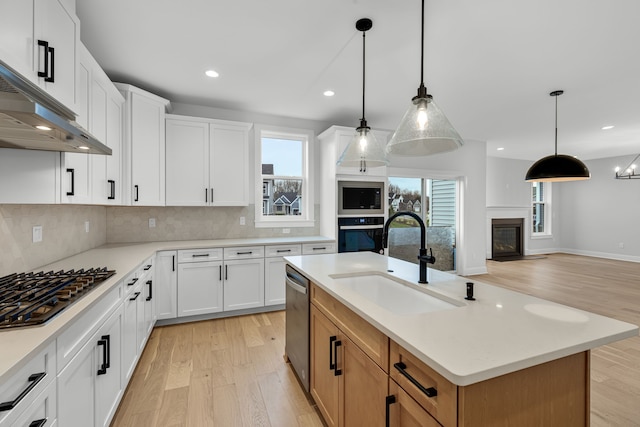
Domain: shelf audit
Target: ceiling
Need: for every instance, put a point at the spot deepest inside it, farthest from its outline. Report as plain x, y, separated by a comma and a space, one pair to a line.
490, 64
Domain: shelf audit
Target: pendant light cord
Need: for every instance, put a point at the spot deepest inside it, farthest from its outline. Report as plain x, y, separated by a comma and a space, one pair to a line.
557, 125
422, 49
363, 120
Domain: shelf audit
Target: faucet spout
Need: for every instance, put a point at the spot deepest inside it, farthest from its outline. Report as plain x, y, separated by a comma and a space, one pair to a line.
423, 258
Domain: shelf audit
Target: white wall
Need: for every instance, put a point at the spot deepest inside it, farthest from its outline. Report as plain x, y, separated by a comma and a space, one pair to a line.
469, 164
589, 217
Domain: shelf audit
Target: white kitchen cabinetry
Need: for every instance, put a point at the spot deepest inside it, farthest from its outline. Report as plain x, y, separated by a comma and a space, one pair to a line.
274, 272
29, 177
28, 382
166, 285
207, 162
39, 40
43, 410
243, 277
143, 147
131, 306
90, 386
318, 248
76, 178
199, 281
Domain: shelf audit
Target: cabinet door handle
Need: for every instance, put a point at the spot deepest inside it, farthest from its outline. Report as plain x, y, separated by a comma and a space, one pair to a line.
336, 371
38, 423
73, 181
150, 283
103, 367
45, 46
211, 194
226, 272
389, 400
135, 296
112, 189
332, 364
173, 263
33, 379
220, 273
52, 67
206, 195
107, 363
136, 190
430, 392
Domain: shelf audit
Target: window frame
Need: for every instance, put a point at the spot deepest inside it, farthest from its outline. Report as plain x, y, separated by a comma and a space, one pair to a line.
275, 221
546, 202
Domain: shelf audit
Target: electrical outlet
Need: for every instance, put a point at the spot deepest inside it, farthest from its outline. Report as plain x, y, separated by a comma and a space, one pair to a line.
37, 234
285, 231
621, 245
152, 222
86, 226
242, 220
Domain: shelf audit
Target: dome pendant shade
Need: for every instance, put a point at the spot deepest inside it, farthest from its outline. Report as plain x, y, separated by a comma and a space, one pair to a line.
424, 130
557, 168
363, 151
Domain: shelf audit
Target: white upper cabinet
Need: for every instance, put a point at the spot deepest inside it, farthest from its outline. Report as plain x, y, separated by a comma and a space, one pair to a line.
29, 176
143, 147
39, 38
207, 162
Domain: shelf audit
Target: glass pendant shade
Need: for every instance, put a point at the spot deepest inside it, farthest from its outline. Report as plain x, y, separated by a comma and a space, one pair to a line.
557, 168
363, 151
424, 130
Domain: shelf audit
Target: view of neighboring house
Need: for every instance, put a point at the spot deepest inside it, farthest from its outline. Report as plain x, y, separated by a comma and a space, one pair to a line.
403, 202
274, 200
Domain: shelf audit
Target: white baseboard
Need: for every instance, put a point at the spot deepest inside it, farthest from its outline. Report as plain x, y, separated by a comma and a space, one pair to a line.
474, 271
618, 257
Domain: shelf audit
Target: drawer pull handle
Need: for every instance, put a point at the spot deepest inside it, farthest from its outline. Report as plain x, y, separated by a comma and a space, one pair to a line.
38, 423
34, 379
320, 249
135, 296
283, 250
389, 400
199, 255
430, 392
245, 253
147, 267
133, 282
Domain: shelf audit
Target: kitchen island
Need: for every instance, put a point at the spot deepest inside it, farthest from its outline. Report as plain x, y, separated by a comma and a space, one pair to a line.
503, 357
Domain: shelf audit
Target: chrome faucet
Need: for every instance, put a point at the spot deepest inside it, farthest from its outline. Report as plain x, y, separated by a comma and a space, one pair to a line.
422, 256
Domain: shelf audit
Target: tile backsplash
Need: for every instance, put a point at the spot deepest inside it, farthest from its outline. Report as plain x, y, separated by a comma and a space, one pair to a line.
131, 224
63, 234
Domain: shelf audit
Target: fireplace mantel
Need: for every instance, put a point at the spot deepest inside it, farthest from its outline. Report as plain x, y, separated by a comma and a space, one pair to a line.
496, 212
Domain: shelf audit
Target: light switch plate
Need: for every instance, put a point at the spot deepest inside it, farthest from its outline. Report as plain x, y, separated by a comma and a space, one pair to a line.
152, 222
86, 226
37, 234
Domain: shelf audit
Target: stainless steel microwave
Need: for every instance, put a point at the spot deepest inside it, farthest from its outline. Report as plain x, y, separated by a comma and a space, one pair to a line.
360, 198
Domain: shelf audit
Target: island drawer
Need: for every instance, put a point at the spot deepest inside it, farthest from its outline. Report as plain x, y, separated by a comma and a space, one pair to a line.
407, 370
199, 255
21, 389
370, 340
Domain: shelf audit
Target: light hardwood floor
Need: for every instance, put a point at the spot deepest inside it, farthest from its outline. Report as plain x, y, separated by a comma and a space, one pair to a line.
230, 372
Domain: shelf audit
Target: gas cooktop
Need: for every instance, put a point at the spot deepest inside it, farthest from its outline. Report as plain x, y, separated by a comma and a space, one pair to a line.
28, 299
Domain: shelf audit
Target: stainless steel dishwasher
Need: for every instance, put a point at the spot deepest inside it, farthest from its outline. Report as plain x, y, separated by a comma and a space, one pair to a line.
297, 324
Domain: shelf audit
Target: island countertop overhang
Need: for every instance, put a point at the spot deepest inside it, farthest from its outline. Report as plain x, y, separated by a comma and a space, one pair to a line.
502, 331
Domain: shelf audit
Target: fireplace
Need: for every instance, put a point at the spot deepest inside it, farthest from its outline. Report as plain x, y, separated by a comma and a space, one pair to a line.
507, 238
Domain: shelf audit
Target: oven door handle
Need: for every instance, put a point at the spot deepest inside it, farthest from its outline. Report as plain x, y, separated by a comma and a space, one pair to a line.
293, 285
361, 227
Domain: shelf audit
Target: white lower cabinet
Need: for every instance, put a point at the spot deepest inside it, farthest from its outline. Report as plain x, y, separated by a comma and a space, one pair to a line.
129, 333
243, 284
274, 266
166, 284
42, 411
199, 281
90, 386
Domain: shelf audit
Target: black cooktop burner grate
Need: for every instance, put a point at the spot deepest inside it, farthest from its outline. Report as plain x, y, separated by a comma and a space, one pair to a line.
28, 299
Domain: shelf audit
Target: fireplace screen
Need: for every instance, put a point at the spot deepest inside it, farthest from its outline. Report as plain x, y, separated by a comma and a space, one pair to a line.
507, 238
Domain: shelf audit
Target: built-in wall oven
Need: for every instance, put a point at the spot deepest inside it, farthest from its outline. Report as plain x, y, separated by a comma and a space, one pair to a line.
356, 234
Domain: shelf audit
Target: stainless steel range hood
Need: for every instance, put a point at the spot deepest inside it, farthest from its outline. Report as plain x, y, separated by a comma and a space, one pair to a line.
32, 119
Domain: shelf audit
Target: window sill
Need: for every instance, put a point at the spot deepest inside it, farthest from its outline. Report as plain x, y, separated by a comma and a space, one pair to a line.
541, 236
285, 223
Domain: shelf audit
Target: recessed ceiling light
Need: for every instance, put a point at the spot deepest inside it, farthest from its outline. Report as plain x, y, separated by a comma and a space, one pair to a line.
211, 73
328, 93
607, 127
42, 127
500, 148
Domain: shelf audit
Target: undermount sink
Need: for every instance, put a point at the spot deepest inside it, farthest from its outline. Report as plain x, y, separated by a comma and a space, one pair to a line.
392, 294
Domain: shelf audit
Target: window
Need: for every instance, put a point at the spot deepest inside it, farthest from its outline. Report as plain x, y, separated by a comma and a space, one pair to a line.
541, 208
284, 192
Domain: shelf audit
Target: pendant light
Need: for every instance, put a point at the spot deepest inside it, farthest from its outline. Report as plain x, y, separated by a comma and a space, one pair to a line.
424, 129
363, 150
557, 167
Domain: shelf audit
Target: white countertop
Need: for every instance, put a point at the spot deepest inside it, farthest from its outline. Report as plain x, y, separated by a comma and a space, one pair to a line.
16, 345
501, 332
